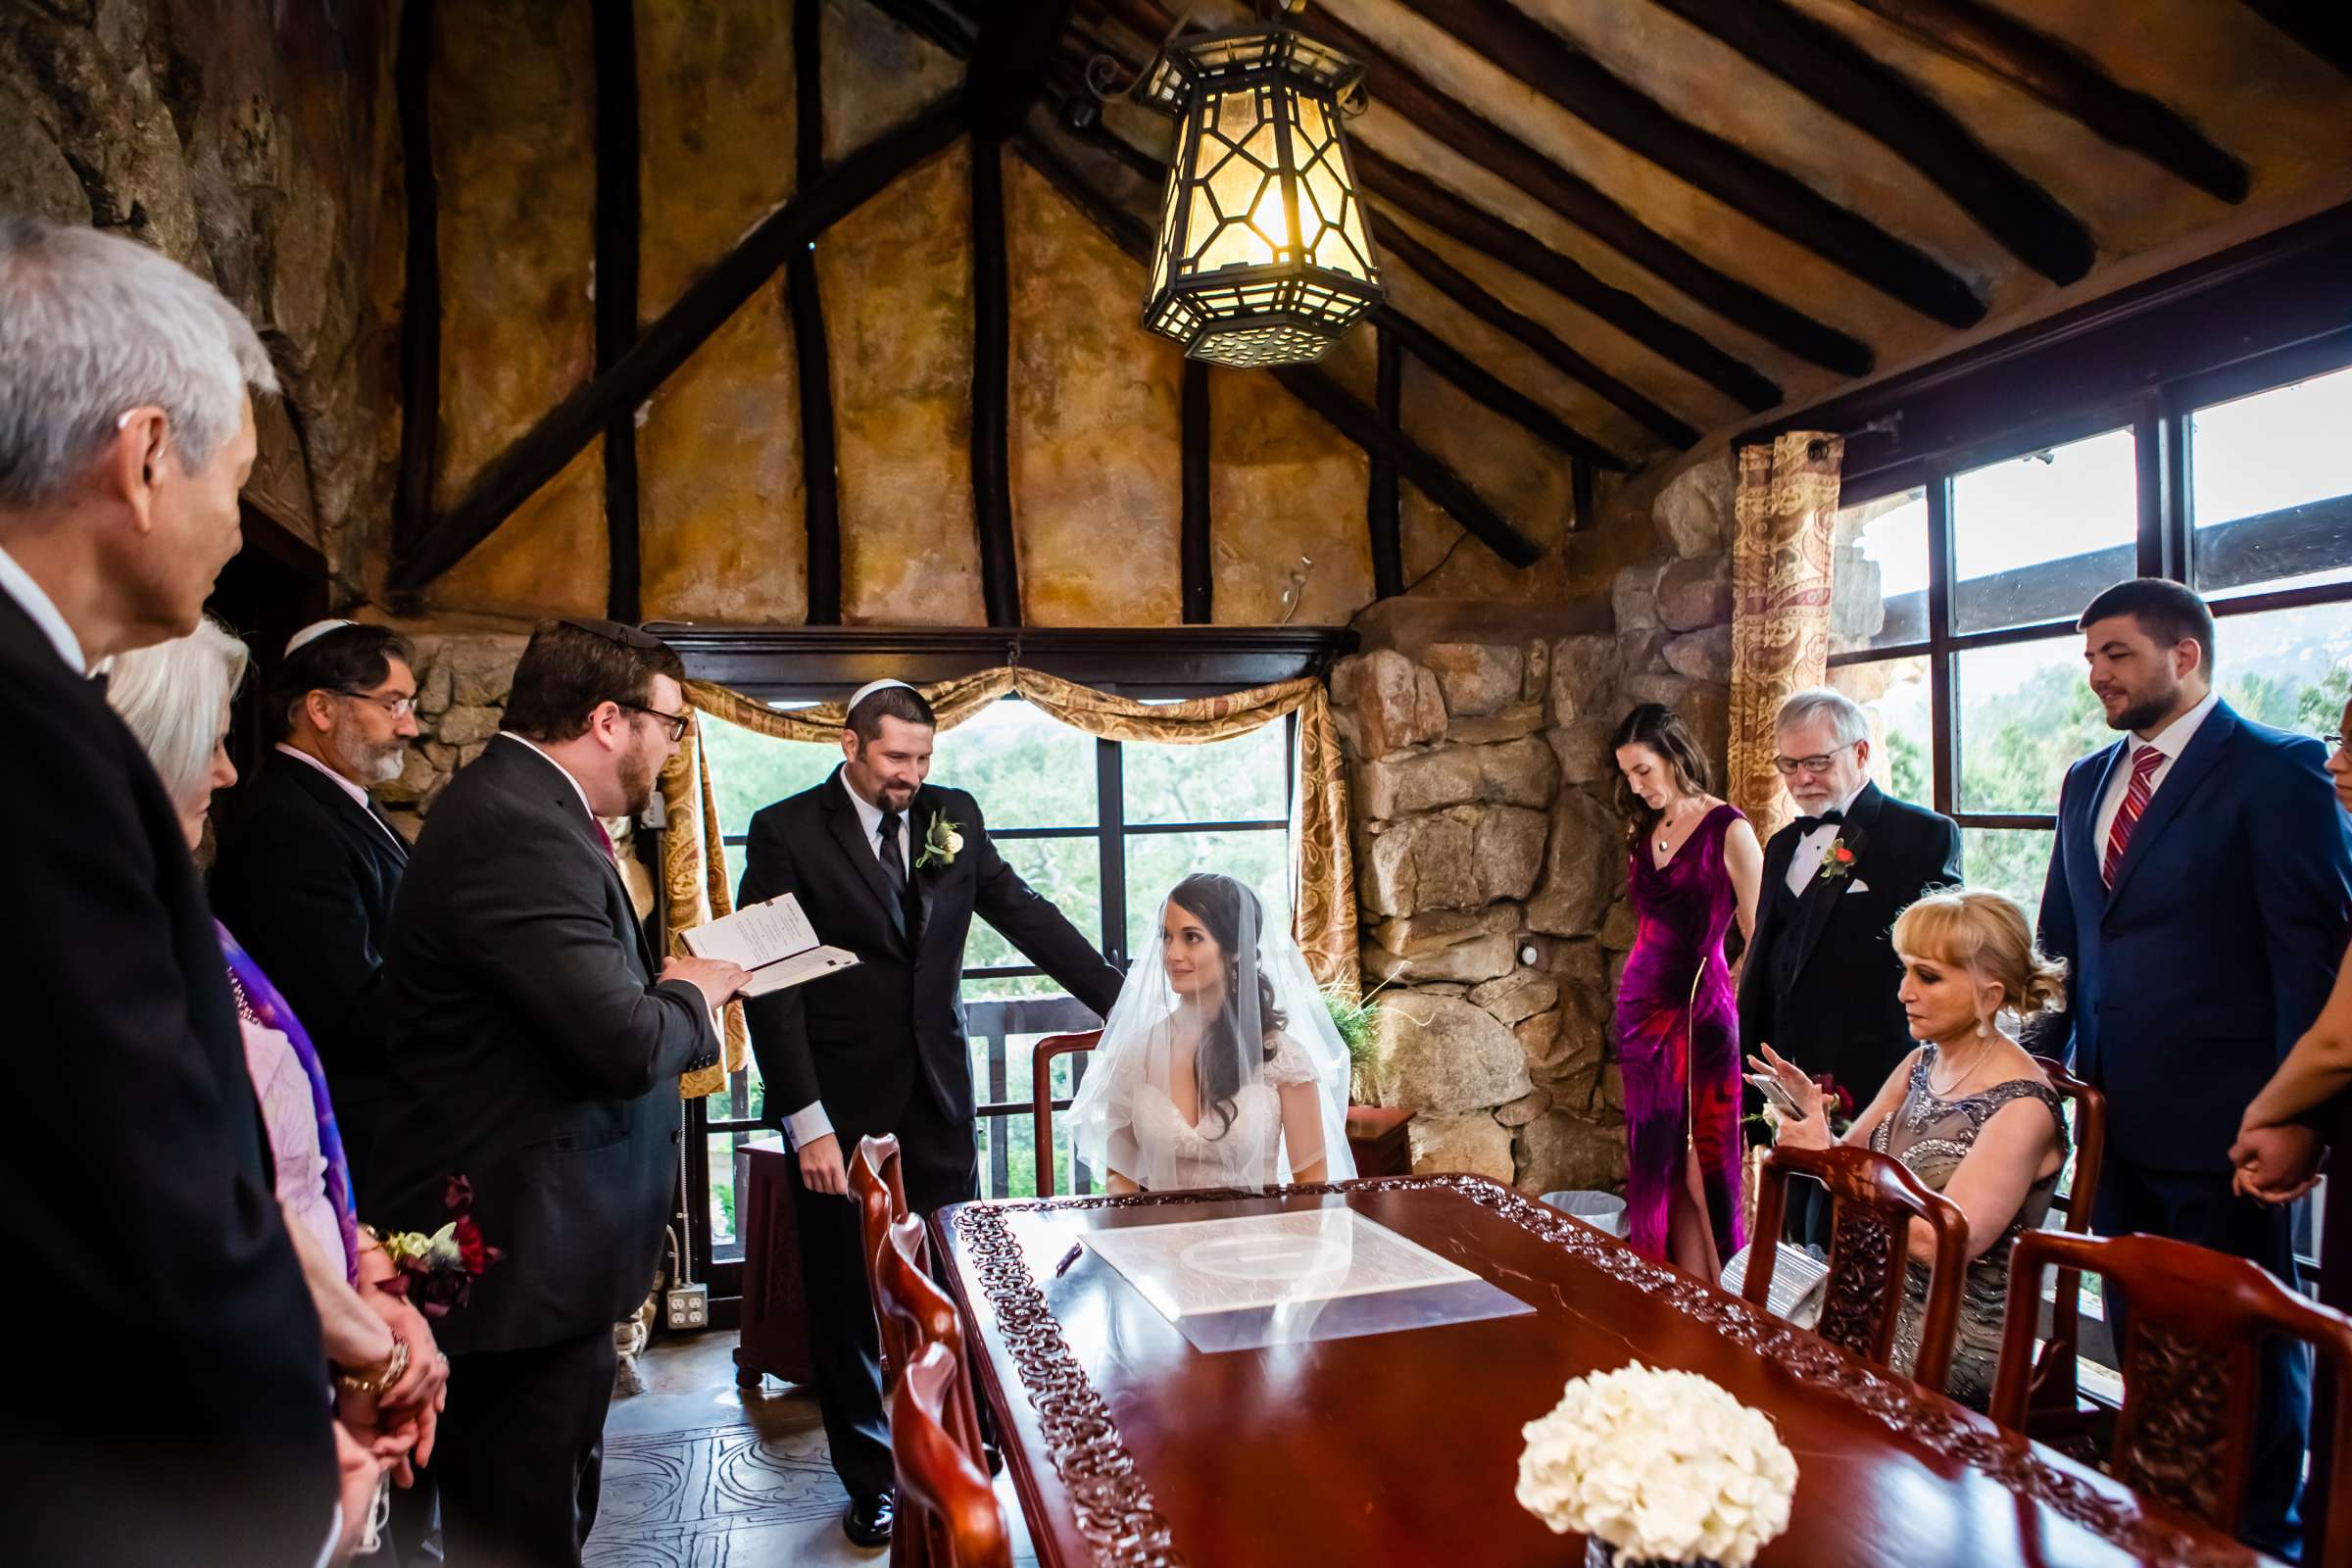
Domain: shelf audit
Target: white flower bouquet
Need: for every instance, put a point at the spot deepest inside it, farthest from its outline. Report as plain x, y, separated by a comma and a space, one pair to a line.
1662, 1466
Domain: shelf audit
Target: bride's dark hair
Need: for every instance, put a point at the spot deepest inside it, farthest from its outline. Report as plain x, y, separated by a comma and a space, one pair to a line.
1219, 903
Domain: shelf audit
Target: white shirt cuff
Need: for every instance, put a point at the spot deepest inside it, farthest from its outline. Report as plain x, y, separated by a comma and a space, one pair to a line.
334, 1533
807, 1124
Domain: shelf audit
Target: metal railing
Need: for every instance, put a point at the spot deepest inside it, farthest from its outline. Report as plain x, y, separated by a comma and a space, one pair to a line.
1006, 1106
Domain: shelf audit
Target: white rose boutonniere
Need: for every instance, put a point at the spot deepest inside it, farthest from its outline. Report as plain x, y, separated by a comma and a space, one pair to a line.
942, 843
1662, 1466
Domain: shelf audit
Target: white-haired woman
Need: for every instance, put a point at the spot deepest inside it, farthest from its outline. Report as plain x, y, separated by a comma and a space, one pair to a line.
175, 696
1968, 1111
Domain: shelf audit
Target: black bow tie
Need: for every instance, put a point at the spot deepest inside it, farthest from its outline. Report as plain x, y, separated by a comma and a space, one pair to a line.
1806, 824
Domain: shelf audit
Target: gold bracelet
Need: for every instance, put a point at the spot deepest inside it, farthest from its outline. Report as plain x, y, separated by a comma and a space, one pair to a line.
383, 1375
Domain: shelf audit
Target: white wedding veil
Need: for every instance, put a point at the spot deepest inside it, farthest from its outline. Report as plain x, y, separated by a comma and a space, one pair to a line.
1228, 1007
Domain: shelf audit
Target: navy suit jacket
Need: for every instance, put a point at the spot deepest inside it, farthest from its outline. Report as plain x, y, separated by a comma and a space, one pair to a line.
2190, 978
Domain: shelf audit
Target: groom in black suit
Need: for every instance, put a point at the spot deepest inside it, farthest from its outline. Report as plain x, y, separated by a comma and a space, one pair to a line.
1819, 981
892, 869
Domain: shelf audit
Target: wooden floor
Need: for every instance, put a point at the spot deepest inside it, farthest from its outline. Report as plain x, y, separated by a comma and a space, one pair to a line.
699, 1474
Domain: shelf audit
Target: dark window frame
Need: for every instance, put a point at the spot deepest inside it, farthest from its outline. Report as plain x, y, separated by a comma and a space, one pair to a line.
822, 664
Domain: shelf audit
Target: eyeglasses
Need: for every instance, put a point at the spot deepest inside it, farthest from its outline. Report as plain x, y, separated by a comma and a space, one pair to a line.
1817, 764
613, 631
2334, 742
676, 721
397, 706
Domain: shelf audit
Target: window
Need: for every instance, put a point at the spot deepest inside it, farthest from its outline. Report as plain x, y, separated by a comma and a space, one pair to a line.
1101, 828
1956, 596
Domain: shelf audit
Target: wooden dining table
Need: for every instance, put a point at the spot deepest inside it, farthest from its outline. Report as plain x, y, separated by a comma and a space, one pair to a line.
1128, 1446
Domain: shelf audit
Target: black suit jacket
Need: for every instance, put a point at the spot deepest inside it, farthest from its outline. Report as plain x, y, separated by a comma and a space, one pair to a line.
533, 1053
859, 1039
1819, 981
306, 881
134, 1185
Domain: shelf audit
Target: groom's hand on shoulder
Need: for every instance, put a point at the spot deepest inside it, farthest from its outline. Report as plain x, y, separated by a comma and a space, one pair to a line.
821, 1170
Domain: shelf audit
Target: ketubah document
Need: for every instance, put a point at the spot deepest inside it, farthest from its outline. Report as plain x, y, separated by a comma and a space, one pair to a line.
773, 941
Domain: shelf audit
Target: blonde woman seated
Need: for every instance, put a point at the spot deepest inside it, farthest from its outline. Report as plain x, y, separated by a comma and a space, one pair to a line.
1968, 1112
1219, 1065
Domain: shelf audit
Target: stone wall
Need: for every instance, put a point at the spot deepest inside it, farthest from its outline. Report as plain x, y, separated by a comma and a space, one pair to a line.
1490, 855
462, 685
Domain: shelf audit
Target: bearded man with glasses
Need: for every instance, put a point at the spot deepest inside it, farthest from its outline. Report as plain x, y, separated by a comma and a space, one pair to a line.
1818, 983
307, 877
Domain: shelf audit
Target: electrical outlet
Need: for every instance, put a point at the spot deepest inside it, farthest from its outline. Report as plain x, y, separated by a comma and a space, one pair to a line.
688, 1307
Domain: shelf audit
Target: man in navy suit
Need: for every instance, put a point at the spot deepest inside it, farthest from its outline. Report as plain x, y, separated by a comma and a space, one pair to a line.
2199, 890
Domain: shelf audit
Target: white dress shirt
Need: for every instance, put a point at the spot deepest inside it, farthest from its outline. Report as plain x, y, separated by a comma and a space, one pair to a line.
34, 600
1805, 864
359, 796
809, 1123
2171, 743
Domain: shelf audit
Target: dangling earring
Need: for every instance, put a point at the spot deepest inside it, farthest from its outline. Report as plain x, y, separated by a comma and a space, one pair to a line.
1983, 1028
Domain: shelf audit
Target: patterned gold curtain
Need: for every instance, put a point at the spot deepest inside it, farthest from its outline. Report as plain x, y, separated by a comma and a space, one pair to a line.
1781, 566
1323, 899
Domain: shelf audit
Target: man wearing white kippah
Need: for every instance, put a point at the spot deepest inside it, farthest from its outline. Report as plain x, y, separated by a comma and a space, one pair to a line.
893, 869
307, 877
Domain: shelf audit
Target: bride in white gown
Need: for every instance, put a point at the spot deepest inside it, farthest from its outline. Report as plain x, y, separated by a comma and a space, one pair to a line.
1219, 1065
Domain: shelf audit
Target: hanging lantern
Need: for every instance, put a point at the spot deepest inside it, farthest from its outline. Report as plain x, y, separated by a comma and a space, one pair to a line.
1264, 257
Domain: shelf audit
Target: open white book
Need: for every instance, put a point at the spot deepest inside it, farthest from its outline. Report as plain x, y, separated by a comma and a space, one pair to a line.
773, 941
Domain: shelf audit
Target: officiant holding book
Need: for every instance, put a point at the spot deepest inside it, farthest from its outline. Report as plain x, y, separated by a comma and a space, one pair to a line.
892, 869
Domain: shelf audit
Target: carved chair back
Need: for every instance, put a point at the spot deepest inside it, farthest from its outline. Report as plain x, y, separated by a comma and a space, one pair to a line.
1876, 1199
2193, 1322
1041, 1096
2055, 1387
915, 1313
944, 1494
877, 1187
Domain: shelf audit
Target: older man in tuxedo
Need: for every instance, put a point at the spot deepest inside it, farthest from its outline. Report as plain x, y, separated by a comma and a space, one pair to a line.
307, 877
2199, 890
536, 1045
1819, 981
197, 1430
893, 869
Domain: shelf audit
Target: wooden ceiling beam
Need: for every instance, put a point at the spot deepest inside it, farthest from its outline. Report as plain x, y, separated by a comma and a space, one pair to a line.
517, 473
1418, 196
1532, 334
2319, 27
1843, 77
1523, 47
1010, 56
938, 20
1311, 385
2058, 75
1572, 197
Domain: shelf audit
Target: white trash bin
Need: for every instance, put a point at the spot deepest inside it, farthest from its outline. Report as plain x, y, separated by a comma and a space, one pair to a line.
1602, 1211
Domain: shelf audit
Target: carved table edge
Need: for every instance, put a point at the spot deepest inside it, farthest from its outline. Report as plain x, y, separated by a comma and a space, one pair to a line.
1118, 1517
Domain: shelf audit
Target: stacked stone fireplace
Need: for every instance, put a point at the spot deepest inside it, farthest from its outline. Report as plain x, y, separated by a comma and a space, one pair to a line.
1491, 854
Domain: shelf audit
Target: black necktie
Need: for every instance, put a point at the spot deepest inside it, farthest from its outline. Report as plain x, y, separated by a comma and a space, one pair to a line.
894, 865
1806, 824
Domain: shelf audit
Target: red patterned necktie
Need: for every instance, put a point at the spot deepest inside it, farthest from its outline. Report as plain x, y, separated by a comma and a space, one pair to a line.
602, 837
2136, 801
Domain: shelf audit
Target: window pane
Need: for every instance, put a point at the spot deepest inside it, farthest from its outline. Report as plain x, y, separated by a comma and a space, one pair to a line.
2025, 714
2036, 537
2287, 668
2261, 471
1880, 597
1243, 779
1902, 733
1067, 873
748, 772
1157, 862
1015, 1134
2008, 860
1025, 769
727, 1178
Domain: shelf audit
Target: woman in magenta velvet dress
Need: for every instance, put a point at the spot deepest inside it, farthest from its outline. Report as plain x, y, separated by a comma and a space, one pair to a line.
1696, 865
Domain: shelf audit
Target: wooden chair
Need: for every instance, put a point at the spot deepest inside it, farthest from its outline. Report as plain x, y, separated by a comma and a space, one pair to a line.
912, 1304
1041, 1096
2190, 1351
945, 1500
1875, 1200
878, 1188
2056, 1392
